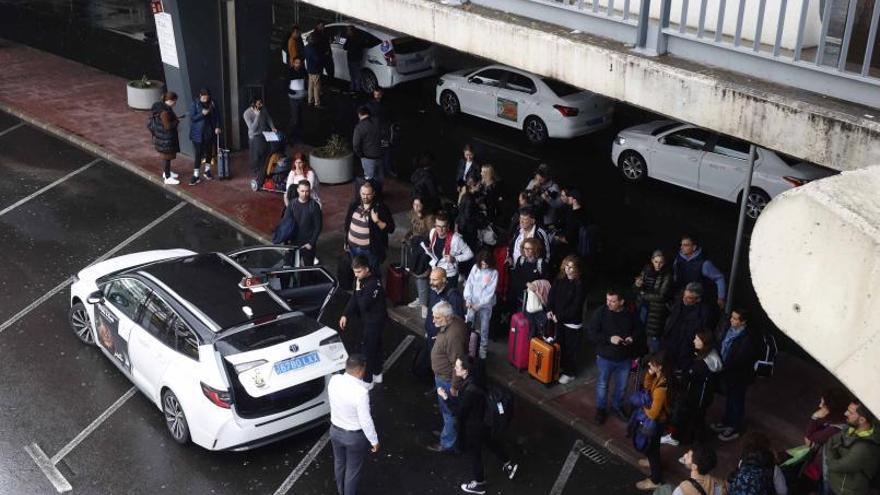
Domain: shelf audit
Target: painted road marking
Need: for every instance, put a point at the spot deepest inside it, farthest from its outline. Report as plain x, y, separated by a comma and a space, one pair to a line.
48, 466
30, 307
567, 468
7, 131
325, 438
46, 188
505, 148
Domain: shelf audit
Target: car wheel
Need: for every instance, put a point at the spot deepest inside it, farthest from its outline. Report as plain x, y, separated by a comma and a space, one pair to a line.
80, 324
449, 103
536, 130
756, 203
632, 166
369, 81
175, 420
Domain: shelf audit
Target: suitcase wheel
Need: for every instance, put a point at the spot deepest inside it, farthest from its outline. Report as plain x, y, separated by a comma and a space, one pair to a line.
254, 185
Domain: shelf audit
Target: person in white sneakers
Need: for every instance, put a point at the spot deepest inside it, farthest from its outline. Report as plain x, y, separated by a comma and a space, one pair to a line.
446, 249
163, 127
566, 308
479, 296
203, 132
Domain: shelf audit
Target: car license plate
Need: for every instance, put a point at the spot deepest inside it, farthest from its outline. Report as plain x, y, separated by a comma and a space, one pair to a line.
296, 362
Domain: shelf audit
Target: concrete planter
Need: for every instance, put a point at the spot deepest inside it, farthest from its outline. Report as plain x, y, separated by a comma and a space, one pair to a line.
336, 170
143, 98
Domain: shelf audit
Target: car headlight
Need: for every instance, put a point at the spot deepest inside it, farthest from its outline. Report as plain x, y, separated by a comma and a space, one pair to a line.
620, 140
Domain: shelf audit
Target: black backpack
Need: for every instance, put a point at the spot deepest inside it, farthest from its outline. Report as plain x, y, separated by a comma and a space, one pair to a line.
499, 409
154, 123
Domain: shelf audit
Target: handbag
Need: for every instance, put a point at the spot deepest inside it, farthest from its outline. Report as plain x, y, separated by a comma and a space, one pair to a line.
487, 235
533, 303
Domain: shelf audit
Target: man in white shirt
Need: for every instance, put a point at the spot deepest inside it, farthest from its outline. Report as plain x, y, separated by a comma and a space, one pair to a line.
351, 426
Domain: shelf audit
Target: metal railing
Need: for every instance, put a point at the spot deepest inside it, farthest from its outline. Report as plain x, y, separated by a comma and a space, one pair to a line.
825, 46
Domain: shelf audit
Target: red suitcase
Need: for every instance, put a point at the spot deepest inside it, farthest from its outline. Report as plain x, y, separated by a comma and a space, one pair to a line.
500, 254
518, 341
395, 285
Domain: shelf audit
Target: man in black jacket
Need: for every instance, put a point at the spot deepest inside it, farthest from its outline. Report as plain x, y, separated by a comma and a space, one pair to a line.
367, 226
367, 144
309, 221
739, 351
368, 302
688, 316
615, 331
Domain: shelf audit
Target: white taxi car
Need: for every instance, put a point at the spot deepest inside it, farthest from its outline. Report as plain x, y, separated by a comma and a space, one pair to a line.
228, 346
708, 162
542, 107
389, 58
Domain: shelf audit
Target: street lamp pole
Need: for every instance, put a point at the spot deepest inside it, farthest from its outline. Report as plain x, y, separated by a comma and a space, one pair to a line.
737, 247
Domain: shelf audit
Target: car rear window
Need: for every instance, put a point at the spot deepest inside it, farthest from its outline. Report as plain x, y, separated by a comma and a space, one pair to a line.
267, 335
560, 88
408, 44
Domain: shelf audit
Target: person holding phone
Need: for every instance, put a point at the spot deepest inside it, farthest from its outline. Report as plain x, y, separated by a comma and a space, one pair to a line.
614, 330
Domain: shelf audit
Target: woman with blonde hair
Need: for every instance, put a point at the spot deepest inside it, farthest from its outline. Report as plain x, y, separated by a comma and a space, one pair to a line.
566, 308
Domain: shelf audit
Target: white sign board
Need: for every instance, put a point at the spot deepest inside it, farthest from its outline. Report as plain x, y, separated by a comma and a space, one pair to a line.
165, 34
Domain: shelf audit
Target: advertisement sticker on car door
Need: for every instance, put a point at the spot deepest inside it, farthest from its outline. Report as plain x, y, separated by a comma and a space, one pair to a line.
507, 109
107, 324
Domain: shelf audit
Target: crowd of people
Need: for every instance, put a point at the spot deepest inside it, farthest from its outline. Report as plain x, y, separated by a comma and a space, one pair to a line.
477, 259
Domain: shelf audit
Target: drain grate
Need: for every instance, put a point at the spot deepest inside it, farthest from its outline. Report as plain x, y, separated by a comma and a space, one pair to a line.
593, 454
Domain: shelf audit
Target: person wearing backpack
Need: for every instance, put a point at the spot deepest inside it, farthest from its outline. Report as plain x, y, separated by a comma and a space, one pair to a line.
757, 472
474, 434
700, 460
739, 351
163, 126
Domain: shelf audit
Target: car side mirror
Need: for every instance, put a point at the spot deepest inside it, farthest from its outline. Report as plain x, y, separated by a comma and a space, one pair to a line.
95, 297
662, 140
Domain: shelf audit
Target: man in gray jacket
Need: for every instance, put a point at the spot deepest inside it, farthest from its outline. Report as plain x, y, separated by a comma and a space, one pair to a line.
258, 121
367, 144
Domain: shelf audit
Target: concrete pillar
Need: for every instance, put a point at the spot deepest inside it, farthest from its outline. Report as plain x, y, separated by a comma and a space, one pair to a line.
815, 263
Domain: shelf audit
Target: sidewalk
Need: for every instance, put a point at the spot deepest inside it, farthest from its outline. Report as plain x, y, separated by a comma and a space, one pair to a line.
87, 107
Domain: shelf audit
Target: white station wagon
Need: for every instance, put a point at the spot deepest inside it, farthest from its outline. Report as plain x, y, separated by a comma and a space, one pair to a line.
389, 58
708, 162
542, 107
228, 346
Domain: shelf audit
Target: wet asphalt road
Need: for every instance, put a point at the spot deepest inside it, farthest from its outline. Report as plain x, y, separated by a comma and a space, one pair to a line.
53, 386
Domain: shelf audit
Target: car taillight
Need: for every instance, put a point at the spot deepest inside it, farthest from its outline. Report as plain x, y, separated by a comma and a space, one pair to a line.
241, 368
391, 59
566, 111
795, 181
220, 398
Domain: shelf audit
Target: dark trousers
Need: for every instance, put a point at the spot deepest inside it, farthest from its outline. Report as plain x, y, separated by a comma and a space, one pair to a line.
653, 454
204, 151
257, 153
735, 406
475, 444
570, 341
349, 450
329, 66
295, 125
354, 75
371, 346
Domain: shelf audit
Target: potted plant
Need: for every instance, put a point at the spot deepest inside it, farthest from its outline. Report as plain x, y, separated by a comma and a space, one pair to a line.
332, 162
143, 92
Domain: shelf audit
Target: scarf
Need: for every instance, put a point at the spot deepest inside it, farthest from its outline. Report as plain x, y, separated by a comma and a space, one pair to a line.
732, 334
447, 242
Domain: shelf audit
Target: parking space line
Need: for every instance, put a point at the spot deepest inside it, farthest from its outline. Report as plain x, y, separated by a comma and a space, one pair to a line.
46, 188
47, 465
7, 131
30, 307
92, 426
322, 442
567, 468
505, 148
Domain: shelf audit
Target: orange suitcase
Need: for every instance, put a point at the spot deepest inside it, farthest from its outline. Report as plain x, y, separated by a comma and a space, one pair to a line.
544, 360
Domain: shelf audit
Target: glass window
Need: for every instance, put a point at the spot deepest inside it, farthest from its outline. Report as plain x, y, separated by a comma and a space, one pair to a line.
157, 319
187, 343
127, 295
369, 40
560, 88
692, 138
519, 82
490, 77
734, 148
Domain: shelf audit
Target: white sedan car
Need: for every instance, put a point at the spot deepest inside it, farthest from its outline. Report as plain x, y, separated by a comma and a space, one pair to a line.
227, 346
707, 162
389, 58
542, 107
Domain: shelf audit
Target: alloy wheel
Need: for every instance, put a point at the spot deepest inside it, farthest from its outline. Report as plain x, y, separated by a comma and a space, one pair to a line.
174, 417
756, 203
79, 322
632, 167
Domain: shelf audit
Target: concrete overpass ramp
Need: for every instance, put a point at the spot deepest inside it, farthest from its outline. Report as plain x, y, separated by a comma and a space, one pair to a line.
815, 262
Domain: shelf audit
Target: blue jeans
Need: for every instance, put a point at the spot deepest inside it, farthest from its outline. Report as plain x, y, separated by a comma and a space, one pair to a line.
354, 75
372, 168
449, 434
619, 370
362, 251
484, 316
